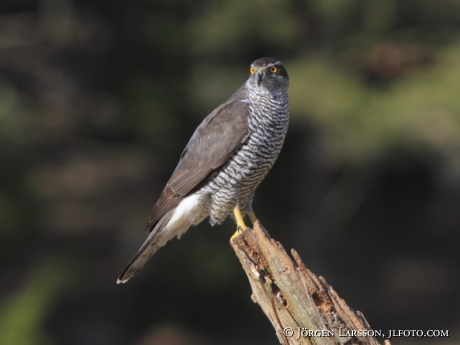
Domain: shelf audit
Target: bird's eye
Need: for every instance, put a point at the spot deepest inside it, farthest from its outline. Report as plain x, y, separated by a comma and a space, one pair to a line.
252, 70
273, 69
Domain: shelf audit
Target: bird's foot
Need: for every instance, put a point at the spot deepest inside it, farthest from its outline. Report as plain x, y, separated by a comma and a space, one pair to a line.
237, 233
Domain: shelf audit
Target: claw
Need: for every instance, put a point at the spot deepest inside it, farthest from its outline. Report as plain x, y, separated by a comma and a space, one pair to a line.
237, 232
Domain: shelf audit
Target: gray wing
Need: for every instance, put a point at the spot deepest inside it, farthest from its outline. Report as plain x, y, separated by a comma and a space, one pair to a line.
219, 135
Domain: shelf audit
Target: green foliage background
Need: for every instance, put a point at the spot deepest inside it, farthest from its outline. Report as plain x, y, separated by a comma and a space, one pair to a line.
98, 99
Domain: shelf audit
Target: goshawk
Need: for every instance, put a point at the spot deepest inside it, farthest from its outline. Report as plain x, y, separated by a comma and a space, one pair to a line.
226, 158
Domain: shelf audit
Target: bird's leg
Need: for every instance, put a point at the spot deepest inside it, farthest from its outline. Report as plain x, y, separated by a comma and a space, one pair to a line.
252, 216
239, 219
239, 222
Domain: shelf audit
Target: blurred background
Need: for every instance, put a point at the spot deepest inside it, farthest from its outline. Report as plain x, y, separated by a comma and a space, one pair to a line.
98, 99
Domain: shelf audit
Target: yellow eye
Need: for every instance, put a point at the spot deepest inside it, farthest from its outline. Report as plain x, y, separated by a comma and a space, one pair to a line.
252, 70
273, 69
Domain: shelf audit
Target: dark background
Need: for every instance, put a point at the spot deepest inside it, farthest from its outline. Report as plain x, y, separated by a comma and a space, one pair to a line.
98, 99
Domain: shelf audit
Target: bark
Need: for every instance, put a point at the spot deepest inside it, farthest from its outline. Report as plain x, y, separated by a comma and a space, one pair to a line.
294, 299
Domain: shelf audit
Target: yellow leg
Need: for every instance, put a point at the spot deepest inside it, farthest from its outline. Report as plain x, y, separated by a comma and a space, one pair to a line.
252, 216
239, 222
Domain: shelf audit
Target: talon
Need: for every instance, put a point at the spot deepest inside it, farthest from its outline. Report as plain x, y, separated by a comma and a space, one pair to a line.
237, 232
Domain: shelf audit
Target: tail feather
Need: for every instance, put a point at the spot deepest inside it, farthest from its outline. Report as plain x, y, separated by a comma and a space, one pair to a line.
151, 245
176, 222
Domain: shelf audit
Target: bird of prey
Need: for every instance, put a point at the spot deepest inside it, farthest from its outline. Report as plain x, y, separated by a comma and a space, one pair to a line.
226, 158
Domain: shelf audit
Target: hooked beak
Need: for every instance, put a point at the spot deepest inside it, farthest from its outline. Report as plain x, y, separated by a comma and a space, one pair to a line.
259, 77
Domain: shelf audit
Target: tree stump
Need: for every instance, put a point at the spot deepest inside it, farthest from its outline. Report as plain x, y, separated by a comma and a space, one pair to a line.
302, 307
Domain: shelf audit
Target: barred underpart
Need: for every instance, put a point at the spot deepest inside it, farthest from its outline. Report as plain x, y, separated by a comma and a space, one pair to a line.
235, 184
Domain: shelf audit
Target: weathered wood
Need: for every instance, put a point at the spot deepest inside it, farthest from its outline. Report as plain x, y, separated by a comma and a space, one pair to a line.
294, 298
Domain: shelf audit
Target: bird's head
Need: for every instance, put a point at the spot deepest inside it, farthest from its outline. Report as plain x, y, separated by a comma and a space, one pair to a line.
270, 74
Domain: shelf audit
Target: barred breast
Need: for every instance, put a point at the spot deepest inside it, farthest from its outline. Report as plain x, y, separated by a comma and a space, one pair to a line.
236, 182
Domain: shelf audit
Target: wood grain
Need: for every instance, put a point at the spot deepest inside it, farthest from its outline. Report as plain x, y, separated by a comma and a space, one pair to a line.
294, 298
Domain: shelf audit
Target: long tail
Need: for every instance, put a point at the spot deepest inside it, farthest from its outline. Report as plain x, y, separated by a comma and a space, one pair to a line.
173, 224
154, 241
